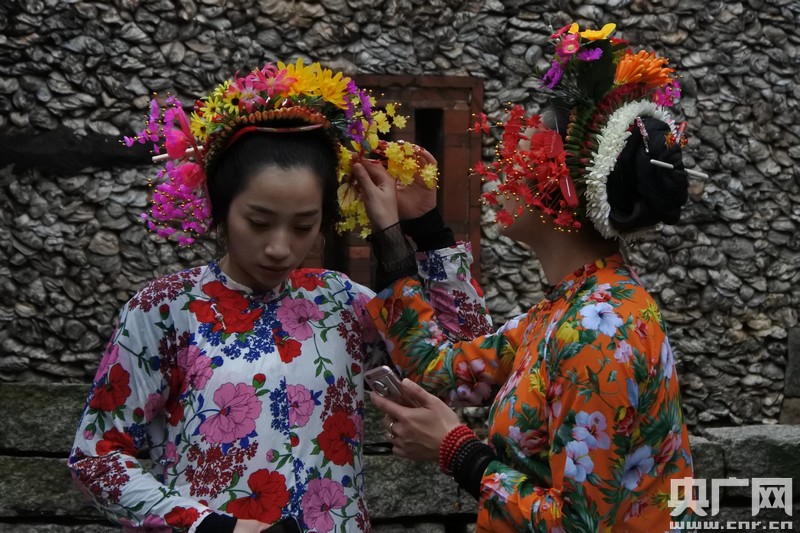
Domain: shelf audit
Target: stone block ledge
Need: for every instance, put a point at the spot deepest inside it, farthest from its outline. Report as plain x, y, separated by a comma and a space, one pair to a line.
38, 422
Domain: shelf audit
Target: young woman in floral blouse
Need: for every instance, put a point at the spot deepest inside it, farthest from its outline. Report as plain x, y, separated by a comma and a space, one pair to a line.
243, 378
585, 429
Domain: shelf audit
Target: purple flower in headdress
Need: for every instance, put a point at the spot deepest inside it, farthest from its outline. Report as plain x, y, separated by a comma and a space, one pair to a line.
366, 106
356, 131
553, 75
352, 90
590, 54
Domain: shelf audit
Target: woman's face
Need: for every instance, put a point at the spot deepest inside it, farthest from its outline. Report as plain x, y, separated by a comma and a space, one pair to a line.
272, 225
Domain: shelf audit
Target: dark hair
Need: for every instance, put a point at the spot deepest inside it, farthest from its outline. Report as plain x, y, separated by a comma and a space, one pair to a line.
256, 150
639, 194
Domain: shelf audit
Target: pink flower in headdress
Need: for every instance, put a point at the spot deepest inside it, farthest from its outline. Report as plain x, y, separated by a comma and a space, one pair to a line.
188, 174
178, 139
568, 45
248, 94
272, 81
561, 31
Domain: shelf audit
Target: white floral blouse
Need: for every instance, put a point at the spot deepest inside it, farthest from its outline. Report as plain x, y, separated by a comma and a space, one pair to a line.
249, 404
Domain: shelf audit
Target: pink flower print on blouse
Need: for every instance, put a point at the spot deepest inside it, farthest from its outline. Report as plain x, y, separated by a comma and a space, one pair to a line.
301, 405
155, 403
368, 331
474, 383
109, 359
323, 495
238, 408
196, 365
445, 306
623, 353
151, 524
295, 316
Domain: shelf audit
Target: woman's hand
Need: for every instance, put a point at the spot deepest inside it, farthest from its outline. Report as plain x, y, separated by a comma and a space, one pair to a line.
416, 432
379, 191
416, 199
249, 526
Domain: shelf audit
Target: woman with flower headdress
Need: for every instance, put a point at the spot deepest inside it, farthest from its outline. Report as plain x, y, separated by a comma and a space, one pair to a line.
243, 378
586, 431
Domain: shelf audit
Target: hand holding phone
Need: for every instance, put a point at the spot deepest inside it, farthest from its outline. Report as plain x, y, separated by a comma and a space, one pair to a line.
386, 383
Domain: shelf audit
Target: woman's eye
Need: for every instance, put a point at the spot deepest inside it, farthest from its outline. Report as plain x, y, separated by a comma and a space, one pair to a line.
304, 228
258, 224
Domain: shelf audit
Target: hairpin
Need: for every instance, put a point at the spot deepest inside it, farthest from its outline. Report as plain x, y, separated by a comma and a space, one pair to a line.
643, 131
662, 164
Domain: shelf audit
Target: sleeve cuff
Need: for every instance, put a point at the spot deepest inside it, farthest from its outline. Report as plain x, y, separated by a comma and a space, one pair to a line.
217, 523
429, 231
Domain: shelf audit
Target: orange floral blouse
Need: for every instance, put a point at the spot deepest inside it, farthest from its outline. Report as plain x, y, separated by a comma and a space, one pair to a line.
586, 418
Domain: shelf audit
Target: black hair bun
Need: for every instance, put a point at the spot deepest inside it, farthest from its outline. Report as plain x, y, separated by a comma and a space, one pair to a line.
641, 194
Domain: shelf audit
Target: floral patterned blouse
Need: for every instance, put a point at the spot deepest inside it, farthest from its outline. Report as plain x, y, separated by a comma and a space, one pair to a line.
586, 421
250, 404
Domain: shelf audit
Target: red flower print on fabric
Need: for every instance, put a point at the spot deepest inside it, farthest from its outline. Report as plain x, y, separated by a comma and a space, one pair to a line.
165, 288
225, 308
269, 496
308, 279
182, 518
337, 437
113, 393
288, 348
114, 440
211, 470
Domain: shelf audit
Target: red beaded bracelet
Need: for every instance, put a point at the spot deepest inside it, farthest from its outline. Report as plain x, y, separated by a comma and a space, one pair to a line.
454, 439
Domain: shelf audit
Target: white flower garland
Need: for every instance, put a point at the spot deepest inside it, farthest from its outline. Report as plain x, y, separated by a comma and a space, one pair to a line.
610, 142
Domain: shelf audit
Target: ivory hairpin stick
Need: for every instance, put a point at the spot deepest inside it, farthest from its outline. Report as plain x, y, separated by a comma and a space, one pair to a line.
163, 157
694, 173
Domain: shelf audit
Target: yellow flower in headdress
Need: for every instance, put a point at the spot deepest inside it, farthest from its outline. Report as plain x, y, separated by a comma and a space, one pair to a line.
211, 108
596, 35
305, 76
333, 88
429, 173
381, 121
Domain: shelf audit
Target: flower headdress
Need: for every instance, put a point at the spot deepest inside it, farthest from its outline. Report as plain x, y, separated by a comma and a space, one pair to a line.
608, 88
278, 98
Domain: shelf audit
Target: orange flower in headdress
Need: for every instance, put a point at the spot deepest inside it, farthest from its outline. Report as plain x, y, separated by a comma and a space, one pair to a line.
643, 67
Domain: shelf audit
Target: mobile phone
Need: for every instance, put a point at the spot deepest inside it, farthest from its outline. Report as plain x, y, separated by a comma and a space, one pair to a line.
286, 525
385, 382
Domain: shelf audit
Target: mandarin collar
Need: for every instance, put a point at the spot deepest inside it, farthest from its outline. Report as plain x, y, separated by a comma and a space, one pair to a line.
269, 295
579, 275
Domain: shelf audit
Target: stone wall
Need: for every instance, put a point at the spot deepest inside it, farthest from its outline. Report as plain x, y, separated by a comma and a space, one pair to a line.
77, 74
